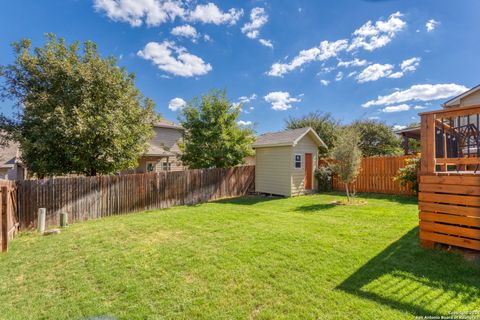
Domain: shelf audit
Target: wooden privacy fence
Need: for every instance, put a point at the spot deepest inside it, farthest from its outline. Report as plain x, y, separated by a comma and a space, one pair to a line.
86, 198
8, 212
376, 175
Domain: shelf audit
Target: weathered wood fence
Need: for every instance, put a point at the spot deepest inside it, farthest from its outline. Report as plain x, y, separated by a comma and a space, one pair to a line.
86, 198
376, 175
8, 212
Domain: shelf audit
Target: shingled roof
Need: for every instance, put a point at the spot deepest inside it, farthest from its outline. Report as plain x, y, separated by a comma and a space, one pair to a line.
164, 123
286, 138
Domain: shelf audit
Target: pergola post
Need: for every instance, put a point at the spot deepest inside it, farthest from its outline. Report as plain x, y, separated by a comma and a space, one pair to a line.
428, 144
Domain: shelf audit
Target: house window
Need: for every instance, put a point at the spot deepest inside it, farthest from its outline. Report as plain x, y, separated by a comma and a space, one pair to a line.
151, 166
166, 166
298, 161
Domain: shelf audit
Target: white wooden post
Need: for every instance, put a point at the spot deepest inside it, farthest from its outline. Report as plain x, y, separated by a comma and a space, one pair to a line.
42, 212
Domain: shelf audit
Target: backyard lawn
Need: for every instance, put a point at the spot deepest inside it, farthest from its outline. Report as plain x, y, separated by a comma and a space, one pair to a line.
252, 257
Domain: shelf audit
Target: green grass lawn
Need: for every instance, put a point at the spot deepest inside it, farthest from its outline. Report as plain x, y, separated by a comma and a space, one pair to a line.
246, 258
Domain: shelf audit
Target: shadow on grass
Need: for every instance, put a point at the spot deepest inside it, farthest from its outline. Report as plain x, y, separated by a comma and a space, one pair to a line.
315, 207
411, 279
248, 200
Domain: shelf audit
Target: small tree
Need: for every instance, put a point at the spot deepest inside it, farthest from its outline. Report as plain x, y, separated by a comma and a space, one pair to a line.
212, 137
377, 139
347, 157
78, 113
323, 124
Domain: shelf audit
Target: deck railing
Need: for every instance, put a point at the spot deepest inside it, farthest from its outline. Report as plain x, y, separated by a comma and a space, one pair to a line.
450, 140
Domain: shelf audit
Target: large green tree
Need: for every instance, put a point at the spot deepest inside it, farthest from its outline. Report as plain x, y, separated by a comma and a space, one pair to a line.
212, 137
77, 112
323, 124
377, 138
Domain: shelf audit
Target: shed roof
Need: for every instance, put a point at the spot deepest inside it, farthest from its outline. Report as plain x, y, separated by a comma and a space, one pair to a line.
286, 138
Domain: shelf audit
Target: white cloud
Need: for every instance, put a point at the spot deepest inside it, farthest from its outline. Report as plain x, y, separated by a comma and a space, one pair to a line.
280, 100
244, 123
411, 64
419, 92
137, 12
431, 25
247, 99
372, 36
353, 63
396, 75
176, 104
398, 108
398, 127
266, 43
322, 52
156, 12
175, 60
374, 72
258, 18
351, 74
324, 82
418, 107
339, 76
210, 13
206, 37
186, 31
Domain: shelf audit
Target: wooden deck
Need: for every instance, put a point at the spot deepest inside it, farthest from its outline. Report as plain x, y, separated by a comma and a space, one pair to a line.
449, 189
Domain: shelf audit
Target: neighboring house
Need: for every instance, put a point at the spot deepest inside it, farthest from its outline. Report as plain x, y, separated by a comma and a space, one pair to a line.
407, 134
163, 152
286, 161
11, 167
468, 98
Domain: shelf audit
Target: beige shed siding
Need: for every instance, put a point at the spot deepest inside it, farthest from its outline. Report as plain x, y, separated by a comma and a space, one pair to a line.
305, 145
272, 170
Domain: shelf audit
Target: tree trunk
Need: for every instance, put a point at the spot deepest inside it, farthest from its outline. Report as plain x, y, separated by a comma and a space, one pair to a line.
348, 194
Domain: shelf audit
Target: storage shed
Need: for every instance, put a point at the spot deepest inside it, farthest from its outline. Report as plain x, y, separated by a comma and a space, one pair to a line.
285, 162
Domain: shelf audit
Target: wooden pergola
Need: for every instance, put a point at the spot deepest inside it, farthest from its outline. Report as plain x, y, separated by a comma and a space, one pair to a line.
449, 191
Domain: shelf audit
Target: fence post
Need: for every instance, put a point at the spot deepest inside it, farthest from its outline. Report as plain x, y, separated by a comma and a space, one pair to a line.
4, 215
42, 212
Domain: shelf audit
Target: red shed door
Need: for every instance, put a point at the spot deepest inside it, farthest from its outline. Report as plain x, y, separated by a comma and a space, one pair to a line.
308, 171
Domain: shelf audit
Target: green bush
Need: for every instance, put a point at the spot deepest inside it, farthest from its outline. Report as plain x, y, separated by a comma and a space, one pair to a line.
324, 176
409, 173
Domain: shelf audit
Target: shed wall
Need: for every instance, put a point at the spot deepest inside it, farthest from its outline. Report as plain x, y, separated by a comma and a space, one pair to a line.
273, 169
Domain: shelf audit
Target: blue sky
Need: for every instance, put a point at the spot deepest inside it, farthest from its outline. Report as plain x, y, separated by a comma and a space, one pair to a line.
384, 60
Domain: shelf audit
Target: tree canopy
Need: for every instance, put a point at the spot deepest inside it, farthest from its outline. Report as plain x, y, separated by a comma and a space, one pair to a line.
323, 124
78, 112
212, 137
376, 138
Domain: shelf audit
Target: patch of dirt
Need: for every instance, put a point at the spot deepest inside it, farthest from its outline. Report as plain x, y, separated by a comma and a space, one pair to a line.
354, 202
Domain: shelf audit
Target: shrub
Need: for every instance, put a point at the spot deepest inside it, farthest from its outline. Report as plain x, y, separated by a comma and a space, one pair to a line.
409, 173
324, 176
